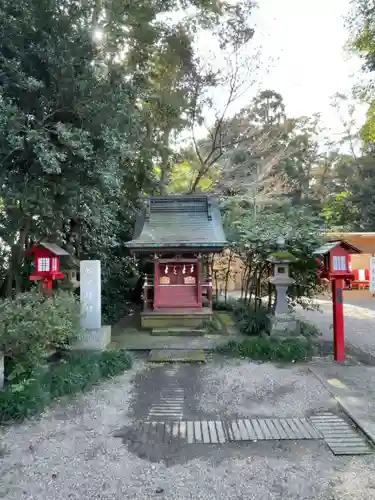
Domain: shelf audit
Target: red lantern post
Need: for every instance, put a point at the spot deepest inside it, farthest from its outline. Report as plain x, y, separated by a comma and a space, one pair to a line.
336, 257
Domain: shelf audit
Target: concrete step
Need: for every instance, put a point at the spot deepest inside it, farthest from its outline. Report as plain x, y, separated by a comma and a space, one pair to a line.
178, 332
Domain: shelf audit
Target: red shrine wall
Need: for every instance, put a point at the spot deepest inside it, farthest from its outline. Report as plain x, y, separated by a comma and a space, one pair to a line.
178, 286
178, 274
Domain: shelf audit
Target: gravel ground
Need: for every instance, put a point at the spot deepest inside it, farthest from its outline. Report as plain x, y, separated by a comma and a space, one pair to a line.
262, 390
359, 316
70, 452
359, 323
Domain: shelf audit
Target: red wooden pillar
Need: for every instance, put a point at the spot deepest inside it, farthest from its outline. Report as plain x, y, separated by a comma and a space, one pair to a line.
209, 281
46, 287
156, 281
199, 280
338, 320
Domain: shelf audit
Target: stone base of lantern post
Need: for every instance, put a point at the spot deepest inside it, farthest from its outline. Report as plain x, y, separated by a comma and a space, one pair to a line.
284, 325
96, 339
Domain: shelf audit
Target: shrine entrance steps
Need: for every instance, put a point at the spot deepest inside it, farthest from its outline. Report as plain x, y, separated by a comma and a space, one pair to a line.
206, 335
175, 318
143, 341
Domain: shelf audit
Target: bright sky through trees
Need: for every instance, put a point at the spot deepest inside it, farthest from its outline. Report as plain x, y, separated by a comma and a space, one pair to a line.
308, 37
303, 57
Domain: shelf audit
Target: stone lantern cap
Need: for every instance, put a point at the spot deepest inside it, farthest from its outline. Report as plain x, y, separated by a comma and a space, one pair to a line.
281, 257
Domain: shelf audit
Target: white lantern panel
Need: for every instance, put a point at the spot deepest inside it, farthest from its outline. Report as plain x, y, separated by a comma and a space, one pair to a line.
339, 263
43, 264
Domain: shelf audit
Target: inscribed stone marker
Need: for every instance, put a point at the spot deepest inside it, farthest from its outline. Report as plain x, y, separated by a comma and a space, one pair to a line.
90, 291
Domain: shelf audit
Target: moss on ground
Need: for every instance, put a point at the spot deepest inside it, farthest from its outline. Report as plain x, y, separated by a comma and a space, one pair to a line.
225, 318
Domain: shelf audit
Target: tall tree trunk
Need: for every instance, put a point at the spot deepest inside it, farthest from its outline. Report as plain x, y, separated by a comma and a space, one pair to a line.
227, 274
15, 262
96, 14
165, 167
216, 280
246, 279
270, 289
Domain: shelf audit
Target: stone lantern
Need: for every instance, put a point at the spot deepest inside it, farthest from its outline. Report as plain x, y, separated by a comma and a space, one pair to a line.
283, 322
71, 267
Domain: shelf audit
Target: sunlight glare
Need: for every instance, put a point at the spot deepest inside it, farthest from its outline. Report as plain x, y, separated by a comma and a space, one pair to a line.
98, 35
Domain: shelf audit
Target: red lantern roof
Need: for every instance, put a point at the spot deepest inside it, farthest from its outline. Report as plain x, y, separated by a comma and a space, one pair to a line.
52, 247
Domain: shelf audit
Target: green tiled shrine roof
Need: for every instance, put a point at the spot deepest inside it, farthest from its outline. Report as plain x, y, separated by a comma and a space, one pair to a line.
179, 221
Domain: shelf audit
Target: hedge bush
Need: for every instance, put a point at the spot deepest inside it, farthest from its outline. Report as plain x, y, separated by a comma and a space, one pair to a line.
252, 320
32, 324
222, 305
79, 371
270, 349
23, 399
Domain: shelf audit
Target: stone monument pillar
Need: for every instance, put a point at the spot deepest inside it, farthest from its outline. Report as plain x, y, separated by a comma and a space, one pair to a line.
283, 322
94, 335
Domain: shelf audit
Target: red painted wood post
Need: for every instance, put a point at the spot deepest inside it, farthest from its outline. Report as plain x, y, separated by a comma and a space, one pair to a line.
372, 255
156, 281
209, 282
47, 287
199, 280
338, 321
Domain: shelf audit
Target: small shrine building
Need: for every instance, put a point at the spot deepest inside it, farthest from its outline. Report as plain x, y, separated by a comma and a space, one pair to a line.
174, 236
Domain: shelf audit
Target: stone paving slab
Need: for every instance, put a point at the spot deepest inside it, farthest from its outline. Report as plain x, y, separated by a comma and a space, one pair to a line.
340, 435
177, 356
353, 387
178, 332
170, 404
271, 429
219, 432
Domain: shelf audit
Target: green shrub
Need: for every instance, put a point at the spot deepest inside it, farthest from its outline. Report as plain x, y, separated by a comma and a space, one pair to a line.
32, 324
82, 369
79, 371
269, 349
24, 399
112, 363
309, 330
251, 320
221, 305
